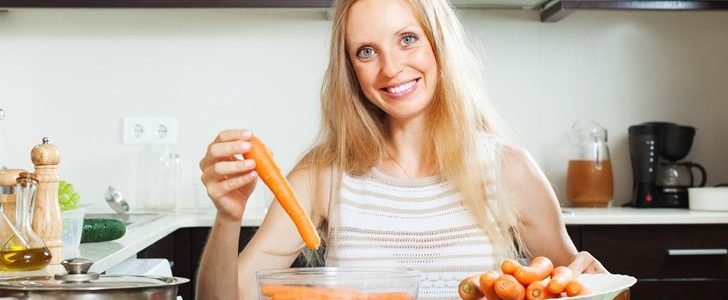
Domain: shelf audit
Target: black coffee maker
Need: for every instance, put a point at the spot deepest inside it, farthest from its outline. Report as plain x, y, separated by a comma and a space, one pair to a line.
659, 178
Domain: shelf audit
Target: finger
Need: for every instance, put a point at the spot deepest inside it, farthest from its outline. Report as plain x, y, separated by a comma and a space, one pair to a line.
233, 135
584, 262
580, 263
227, 168
221, 188
228, 149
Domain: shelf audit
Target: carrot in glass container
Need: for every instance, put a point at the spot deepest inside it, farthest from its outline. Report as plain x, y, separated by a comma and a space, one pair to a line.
271, 175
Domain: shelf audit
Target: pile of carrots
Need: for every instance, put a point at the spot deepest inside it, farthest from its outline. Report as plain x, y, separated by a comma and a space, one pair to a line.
291, 292
539, 280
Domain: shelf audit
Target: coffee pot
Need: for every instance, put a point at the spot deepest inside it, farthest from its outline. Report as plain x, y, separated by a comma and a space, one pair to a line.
680, 175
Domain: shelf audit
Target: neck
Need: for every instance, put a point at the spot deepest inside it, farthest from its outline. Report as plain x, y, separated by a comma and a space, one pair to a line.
410, 152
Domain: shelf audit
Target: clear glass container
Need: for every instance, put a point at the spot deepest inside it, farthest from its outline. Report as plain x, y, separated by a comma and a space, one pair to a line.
159, 179
589, 180
22, 249
339, 283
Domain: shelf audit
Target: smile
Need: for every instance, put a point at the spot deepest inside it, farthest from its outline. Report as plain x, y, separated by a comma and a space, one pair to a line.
402, 89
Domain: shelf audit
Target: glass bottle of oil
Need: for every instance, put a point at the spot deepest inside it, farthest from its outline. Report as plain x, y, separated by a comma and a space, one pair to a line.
24, 250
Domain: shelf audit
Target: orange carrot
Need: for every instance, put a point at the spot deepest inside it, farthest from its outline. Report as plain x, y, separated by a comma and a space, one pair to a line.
508, 288
272, 177
576, 288
537, 291
487, 281
389, 296
560, 277
509, 266
539, 269
468, 289
290, 292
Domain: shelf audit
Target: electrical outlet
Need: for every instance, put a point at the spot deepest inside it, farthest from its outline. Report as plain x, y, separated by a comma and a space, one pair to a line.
149, 130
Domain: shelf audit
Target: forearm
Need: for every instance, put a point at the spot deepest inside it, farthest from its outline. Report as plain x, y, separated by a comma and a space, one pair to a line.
218, 274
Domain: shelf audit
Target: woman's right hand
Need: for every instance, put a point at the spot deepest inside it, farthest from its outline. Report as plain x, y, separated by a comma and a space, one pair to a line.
228, 179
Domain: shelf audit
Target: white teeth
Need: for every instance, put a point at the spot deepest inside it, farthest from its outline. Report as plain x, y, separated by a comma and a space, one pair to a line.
402, 88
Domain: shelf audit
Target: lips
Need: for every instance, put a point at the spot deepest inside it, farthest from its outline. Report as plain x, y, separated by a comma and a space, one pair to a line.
401, 88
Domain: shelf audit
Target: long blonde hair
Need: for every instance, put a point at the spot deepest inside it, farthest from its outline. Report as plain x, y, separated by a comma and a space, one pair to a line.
351, 138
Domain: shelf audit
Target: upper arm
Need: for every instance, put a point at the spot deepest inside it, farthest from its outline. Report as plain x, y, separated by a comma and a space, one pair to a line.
541, 226
277, 243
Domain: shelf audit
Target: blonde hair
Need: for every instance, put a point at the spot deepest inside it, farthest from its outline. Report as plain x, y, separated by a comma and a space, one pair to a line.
351, 138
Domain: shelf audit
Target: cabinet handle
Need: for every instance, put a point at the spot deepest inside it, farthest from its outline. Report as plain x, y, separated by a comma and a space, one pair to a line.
690, 252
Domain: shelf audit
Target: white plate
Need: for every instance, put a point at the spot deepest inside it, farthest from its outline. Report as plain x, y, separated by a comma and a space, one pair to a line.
604, 286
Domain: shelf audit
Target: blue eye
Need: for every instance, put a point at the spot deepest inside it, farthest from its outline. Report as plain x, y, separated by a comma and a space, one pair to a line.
409, 39
365, 52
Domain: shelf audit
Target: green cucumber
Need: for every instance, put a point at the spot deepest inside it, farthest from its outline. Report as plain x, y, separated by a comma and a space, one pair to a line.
102, 230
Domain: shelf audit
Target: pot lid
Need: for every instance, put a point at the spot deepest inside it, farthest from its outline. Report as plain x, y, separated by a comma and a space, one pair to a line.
79, 279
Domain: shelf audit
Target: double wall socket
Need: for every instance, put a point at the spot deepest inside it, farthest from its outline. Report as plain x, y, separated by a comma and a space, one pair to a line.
149, 130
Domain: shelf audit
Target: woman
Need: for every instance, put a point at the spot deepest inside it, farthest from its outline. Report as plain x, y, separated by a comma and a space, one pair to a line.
412, 167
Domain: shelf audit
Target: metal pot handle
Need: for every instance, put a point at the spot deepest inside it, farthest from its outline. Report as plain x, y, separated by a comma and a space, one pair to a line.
77, 269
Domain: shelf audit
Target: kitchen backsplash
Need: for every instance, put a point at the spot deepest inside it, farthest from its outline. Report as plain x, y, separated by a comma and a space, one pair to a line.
72, 75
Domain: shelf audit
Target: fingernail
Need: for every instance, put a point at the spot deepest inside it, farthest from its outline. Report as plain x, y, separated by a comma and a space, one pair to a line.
247, 133
253, 174
248, 163
245, 146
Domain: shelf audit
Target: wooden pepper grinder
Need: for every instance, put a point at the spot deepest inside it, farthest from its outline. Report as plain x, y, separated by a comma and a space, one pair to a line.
47, 221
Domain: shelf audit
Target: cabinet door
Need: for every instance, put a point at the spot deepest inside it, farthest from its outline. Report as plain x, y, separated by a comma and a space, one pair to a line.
679, 289
183, 249
660, 251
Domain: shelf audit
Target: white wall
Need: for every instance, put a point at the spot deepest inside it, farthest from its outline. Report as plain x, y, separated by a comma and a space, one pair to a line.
72, 75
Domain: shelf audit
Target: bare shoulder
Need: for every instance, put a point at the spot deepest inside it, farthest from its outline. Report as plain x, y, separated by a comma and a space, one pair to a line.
524, 179
313, 188
518, 165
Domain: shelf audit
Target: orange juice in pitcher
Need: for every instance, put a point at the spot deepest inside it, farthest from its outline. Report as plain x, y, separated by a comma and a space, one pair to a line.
589, 180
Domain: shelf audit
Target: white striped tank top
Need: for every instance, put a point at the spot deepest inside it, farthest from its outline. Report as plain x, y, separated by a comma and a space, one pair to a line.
419, 223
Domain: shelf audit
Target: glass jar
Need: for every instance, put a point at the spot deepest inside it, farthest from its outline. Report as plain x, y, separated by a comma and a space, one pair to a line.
589, 181
23, 249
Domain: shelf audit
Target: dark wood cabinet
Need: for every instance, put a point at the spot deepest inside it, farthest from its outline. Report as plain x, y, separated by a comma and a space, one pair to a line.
669, 261
642, 251
183, 249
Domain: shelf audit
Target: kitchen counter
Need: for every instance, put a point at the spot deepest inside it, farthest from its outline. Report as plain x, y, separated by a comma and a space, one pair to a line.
638, 216
139, 236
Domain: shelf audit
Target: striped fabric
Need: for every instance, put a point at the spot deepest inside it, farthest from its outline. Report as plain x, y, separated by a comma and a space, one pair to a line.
419, 223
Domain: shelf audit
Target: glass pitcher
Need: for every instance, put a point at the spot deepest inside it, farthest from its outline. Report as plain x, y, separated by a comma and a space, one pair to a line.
589, 181
22, 249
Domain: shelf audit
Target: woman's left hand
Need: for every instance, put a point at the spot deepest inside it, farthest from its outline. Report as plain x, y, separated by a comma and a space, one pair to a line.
584, 262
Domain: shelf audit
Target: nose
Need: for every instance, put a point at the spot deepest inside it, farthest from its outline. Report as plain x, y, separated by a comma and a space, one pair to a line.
392, 64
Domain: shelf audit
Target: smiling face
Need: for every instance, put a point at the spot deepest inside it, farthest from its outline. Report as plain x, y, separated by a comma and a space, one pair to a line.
392, 57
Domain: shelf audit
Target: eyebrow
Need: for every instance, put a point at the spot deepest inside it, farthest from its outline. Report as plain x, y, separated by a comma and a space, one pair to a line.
408, 27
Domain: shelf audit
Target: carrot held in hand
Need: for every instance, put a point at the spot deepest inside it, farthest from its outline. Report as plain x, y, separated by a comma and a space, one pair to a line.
271, 175
560, 277
539, 269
